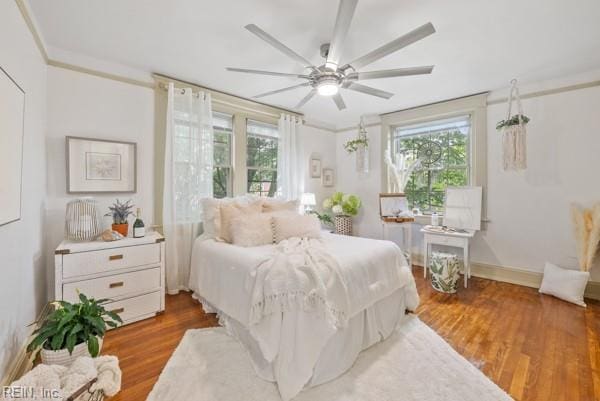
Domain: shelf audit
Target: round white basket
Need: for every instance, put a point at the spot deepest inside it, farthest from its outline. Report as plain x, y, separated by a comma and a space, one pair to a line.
63, 358
343, 225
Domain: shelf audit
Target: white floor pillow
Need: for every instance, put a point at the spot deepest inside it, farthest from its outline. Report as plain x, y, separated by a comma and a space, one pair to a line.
565, 284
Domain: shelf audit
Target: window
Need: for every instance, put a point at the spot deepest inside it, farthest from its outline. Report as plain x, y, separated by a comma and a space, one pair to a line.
261, 158
443, 147
223, 138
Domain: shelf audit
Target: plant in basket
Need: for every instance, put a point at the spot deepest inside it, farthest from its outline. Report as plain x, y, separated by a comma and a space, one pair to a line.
344, 207
73, 330
120, 212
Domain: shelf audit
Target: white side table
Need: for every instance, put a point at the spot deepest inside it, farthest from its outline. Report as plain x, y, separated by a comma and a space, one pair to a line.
453, 239
406, 244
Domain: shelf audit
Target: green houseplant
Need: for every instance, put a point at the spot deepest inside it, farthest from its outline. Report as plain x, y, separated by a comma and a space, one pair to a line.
344, 207
73, 330
120, 211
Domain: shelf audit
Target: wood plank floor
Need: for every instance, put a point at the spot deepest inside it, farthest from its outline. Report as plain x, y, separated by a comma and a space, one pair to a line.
535, 347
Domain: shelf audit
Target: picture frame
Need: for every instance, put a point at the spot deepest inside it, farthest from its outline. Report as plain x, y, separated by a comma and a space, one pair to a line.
100, 166
328, 177
315, 167
12, 135
392, 204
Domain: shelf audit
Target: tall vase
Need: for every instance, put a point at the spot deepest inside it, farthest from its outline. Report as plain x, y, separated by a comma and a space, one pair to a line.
343, 224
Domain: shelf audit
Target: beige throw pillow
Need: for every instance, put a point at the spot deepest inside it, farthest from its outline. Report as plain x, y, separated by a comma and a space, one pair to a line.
288, 225
229, 212
211, 212
252, 230
277, 205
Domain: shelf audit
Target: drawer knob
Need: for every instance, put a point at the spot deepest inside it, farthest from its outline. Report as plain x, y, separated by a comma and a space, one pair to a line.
118, 310
115, 257
115, 285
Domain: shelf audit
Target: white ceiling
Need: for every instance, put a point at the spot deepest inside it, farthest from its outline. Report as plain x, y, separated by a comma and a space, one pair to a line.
479, 45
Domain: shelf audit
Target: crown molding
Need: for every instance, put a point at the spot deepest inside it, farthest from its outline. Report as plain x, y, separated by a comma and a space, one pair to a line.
24, 9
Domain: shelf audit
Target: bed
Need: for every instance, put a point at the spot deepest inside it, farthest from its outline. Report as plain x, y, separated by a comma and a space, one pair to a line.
296, 348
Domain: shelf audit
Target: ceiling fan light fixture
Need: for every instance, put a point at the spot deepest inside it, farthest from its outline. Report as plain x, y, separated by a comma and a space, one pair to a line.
328, 87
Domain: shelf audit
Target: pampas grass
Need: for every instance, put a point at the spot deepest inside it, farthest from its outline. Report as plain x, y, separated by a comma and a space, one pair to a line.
587, 233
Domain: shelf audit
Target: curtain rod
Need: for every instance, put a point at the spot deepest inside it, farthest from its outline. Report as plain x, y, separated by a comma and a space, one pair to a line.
164, 80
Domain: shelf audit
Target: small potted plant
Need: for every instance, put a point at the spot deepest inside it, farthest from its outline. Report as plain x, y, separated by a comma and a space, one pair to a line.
344, 207
73, 330
120, 212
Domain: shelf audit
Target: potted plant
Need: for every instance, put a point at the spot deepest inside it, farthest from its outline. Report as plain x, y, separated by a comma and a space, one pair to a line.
344, 207
120, 212
73, 330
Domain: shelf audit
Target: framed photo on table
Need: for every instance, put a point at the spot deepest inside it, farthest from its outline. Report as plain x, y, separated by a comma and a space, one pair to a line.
100, 166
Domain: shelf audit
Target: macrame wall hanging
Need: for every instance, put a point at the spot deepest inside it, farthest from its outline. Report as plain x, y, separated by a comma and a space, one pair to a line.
360, 146
514, 134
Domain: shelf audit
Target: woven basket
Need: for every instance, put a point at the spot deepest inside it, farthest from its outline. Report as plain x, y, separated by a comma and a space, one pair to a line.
62, 357
343, 225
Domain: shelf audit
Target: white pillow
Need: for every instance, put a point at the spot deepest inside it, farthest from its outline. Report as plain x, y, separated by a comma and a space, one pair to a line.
290, 224
252, 230
280, 205
565, 284
211, 216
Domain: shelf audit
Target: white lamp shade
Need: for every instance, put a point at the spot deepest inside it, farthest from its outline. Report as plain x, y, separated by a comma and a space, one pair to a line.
308, 199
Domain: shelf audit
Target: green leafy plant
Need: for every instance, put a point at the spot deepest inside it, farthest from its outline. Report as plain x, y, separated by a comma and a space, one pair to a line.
514, 120
323, 217
72, 324
120, 211
343, 204
353, 145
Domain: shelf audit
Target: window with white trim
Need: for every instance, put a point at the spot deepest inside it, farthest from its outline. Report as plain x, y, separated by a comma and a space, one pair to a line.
261, 157
223, 165
443, 146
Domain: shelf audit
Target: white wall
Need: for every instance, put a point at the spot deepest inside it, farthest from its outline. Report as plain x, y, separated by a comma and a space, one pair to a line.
89, 106
22, 284
321, 143
529, 211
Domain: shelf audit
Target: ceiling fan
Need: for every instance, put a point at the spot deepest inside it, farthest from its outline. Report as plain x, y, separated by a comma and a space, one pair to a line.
328, 78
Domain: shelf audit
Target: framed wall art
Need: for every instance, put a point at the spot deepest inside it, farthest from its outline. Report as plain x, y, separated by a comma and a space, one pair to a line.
315, 167
392, 204
99, 165
12, 116
328, 177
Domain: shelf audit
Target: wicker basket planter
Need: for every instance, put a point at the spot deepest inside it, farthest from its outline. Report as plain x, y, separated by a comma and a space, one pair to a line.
62, 357
343, 224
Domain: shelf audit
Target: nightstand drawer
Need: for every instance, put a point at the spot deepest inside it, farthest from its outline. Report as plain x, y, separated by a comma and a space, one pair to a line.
136, 308
446, 240
86, 263
114, 286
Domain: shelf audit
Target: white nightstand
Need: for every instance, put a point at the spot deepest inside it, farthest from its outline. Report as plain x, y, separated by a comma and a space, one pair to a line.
406, 226
130, 272
453, 239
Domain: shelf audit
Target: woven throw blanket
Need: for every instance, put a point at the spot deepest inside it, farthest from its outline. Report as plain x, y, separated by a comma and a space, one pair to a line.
301, 275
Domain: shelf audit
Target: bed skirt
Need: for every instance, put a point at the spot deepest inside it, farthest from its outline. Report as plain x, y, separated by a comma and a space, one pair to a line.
364, 329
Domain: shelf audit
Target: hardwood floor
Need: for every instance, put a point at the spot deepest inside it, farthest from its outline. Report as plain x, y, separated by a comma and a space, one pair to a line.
533, 346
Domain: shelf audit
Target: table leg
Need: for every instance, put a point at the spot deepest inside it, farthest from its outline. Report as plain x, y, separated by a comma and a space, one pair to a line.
425, 258
466, 263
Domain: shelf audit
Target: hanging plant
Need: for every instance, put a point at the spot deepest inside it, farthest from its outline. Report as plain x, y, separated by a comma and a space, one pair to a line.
514, 120
354, 144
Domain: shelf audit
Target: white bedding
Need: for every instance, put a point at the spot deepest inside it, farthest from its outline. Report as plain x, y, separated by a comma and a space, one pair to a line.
224, 275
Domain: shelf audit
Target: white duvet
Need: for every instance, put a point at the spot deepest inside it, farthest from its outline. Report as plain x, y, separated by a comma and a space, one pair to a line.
225, 276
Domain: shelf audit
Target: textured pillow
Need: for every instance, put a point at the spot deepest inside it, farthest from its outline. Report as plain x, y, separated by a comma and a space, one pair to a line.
278, 205
229, 212
565, 284
252, 230
211, 212
289, 224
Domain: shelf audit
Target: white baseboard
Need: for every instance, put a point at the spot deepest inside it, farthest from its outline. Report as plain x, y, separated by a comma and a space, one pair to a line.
514, 275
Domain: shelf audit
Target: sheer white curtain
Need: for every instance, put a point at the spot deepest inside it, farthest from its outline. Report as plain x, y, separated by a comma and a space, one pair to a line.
188, 178
289, 169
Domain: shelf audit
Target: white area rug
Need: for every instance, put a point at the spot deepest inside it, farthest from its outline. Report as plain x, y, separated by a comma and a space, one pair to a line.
414, 364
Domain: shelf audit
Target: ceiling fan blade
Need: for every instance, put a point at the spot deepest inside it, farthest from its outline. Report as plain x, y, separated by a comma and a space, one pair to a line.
339, 102
278, 45
261, 72
342, 24
306, 98
281, 90
368, 90
397, 72
393, 46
